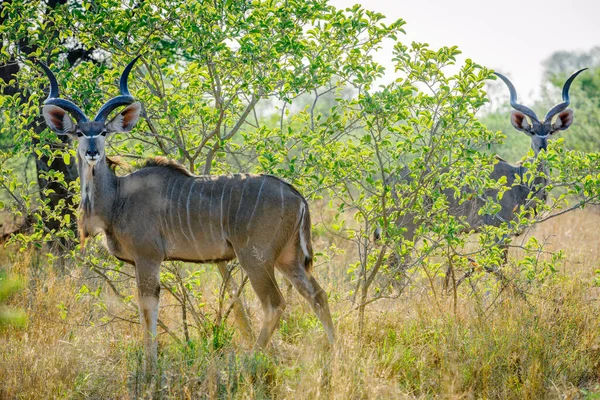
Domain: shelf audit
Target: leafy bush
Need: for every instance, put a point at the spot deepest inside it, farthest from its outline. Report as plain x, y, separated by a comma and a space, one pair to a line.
286, 88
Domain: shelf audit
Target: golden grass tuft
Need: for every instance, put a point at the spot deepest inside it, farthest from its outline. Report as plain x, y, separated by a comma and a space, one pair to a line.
413, 347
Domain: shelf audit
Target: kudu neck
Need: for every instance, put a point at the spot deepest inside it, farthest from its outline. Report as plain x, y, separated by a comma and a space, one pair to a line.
98, 188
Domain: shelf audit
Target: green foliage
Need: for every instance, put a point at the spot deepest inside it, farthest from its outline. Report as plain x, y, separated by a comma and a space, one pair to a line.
8, 316
207, 70
423, 125
287, 88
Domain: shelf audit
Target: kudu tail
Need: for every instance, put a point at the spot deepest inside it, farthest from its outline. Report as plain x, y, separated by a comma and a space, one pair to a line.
305, 236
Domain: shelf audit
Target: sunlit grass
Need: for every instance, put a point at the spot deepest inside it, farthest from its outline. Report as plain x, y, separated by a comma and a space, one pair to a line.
412, 347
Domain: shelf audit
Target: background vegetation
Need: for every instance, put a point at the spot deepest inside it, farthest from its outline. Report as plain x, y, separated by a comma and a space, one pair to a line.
287, 88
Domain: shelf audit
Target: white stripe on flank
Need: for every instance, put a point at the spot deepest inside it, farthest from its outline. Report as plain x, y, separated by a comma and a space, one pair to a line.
210, 224
281, 211
187, 209
169, 206
200, 211
161, 218
229, 209
179, 210
302, 238
281, 192
240, 204
222, 195
256, 203
165, 220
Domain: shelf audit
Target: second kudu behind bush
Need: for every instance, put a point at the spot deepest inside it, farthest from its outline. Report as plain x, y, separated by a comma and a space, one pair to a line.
519, 193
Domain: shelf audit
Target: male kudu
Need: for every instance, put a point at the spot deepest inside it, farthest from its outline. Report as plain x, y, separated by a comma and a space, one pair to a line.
163, 212
557, 119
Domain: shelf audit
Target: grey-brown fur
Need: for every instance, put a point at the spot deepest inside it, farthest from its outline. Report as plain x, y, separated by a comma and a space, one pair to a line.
193, 218
163, 212
512, 199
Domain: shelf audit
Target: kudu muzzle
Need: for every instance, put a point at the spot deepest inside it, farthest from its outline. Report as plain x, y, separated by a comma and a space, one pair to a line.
92, 155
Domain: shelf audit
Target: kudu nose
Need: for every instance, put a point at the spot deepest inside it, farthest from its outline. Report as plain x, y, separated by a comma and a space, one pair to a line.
92, 153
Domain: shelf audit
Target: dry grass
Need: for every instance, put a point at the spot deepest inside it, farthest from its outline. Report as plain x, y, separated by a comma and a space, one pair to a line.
413, 347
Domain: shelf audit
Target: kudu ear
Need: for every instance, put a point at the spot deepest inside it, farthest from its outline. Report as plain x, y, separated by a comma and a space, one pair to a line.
563, 121
520, 122
58, 120
126, 119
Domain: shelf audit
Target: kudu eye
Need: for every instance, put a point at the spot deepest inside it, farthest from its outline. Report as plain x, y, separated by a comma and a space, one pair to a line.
79, 134
103, 133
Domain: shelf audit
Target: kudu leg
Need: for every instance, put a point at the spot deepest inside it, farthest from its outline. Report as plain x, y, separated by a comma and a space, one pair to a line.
239, 311
262, 279
308, 287
147, 274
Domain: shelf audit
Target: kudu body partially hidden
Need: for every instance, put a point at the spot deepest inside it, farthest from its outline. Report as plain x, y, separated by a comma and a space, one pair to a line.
162, 212
557, 119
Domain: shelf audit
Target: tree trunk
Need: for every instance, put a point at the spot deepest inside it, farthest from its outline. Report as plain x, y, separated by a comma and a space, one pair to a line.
8, 72
58, 190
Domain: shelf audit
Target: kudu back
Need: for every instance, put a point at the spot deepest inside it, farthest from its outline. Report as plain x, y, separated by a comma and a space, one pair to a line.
163, 212
558, 118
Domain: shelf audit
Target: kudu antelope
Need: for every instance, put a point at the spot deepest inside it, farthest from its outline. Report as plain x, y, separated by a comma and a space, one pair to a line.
557, 119
163, 212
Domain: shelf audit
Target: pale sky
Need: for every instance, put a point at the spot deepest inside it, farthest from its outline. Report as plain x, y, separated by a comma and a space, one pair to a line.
511, 36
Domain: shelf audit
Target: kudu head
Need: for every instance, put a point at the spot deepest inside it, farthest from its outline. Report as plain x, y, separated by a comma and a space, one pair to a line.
91, 135
541, 131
